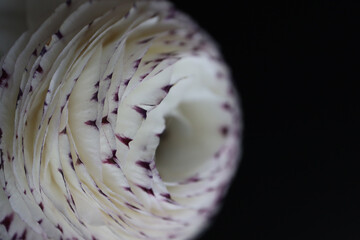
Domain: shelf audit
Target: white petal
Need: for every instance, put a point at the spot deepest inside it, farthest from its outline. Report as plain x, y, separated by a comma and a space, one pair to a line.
118, 121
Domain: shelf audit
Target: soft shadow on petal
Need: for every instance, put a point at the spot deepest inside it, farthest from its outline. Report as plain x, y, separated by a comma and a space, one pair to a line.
12, 23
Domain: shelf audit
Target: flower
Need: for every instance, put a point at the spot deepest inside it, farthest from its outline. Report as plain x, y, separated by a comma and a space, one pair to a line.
118, 120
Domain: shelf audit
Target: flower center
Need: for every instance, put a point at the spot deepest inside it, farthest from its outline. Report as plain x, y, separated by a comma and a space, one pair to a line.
188, 142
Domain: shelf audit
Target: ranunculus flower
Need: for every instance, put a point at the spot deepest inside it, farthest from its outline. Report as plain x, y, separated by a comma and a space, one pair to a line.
118, 120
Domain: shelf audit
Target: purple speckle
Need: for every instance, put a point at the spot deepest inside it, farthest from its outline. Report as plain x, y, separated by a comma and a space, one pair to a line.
4, 76
19, 95
203, 211
102, 193
165, 195
68, 2
43, 51
124, 140
167, 88
39, 221
142, 233
97, 84
72, 199
140, 110
14, 237
171, 13
158, 60
126, 82
60, 228
190, 35
34, 52
116, 97
63, 131
59, 35
1, 133
193, 179
196, 48
91, 123
147, 190
172, 236
142, 77
115, 111
145, 40
128, 189
112, 159
105, 120
7, 221
1, 159
220, 75
137, 63
39, 69
217, 154
144, 164
131, 206
226, 106
153, 67
41, 205
78, 161
231, 91
61, 172
72, 165
109, 76
23, 235
224, 130
95, 97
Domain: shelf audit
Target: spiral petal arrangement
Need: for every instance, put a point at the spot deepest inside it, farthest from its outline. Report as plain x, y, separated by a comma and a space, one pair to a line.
118, 120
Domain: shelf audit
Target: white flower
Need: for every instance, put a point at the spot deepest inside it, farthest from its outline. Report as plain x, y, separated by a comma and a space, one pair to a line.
118, 120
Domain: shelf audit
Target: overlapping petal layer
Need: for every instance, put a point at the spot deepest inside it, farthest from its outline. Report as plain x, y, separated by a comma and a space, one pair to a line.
118, 120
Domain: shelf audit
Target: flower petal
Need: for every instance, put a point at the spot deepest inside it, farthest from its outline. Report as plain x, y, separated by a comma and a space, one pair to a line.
118, 121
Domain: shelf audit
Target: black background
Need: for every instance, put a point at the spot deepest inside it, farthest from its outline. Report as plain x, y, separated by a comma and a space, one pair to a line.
296, 66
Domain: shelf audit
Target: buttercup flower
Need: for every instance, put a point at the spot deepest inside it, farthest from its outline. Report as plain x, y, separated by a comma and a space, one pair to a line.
118, 120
